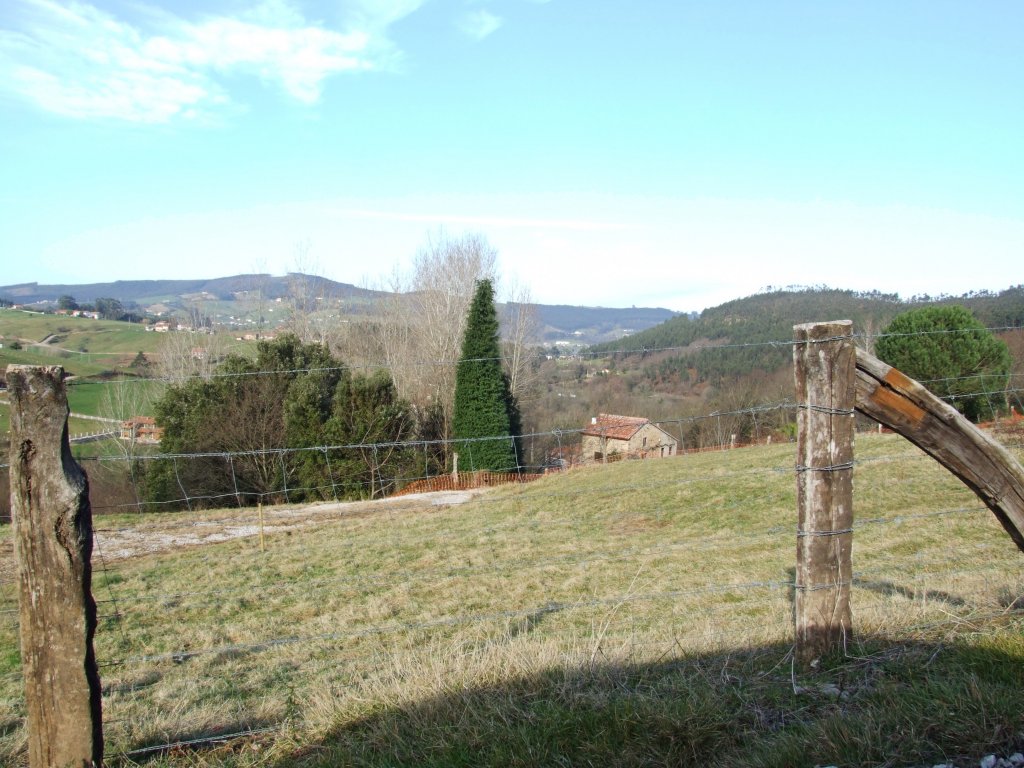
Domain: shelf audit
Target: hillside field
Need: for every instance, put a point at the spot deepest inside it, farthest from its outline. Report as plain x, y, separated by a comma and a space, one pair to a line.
632, 614
78, 334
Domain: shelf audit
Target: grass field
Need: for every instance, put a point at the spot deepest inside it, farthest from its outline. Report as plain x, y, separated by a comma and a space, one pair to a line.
631, 614
101, 398
84, 347
76, 333
75, 364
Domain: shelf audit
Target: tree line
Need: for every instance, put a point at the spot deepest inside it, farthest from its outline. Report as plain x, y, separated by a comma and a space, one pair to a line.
300, 423
736, 342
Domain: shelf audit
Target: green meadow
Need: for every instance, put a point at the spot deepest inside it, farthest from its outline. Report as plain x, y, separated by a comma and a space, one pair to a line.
633, 614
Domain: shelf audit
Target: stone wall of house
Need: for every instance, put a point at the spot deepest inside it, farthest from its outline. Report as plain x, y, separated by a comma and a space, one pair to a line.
593, 445
649, 441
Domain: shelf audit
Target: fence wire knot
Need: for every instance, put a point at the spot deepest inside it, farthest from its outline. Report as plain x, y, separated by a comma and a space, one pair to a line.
820, 587
829, 468
825, 409
840, 532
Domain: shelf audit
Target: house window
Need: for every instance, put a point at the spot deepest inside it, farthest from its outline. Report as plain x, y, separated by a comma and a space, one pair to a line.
645, 442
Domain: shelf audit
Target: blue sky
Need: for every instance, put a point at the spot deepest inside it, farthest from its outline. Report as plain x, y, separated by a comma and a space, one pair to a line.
675, 154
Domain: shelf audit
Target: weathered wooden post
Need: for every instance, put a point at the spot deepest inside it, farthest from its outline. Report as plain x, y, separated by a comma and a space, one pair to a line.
824, 360
52, 525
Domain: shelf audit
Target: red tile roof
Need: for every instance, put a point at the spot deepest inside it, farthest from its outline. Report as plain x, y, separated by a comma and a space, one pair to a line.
615, 427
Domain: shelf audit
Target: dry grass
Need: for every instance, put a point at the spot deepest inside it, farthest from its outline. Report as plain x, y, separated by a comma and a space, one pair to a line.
633, 614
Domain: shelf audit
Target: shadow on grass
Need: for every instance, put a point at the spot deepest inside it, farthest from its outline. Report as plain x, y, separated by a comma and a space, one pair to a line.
883, 704
889, 589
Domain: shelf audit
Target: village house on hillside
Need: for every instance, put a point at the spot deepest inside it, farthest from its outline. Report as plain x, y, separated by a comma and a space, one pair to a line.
141, 429
609, 435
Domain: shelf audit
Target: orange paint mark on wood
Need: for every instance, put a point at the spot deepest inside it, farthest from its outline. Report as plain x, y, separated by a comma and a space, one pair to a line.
892, 401
898, 380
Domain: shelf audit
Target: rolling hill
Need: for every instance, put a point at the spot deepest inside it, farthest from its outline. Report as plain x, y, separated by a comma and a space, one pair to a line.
239, 294
693, 347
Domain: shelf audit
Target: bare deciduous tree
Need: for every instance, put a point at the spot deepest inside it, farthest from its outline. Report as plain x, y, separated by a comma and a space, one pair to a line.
421, 331
256, 296
117, 483
1015, 342
127, 399
184, 354
252, 426
309, 315
521, 328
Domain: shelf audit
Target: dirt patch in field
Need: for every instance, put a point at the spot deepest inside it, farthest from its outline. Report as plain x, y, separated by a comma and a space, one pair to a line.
213, 527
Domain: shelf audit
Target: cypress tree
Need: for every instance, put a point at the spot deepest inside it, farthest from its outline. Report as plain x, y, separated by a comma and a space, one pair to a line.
483, 403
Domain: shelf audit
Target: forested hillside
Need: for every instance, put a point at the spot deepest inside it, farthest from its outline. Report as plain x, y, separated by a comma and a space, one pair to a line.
732, 358
691, 348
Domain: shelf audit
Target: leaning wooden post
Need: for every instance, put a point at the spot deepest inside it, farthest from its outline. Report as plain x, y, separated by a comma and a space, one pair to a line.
907, 407
824, 360
52, 526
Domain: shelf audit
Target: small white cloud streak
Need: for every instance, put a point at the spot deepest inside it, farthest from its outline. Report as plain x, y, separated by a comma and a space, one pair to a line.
79, 61
479, 24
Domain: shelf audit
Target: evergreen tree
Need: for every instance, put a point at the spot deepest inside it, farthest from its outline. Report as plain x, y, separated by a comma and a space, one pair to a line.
483, 403
949, 351
244, 420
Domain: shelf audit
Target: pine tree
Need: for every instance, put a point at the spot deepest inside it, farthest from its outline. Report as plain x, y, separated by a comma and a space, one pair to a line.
952, 353
483, 404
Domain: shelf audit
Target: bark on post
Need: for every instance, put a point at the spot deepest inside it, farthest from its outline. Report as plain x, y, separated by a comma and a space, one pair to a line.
52, 526
824, 360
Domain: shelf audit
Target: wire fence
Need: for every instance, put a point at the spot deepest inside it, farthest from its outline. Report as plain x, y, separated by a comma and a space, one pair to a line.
204, 637
575, 573
864, 339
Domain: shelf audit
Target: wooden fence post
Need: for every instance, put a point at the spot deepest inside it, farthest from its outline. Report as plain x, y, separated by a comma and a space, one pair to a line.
824, 360
52, 526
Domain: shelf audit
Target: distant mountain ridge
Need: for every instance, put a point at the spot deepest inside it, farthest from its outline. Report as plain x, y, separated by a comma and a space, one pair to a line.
560, 322
147, 291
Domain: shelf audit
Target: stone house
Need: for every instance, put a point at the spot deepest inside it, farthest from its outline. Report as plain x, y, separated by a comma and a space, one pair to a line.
141, 429
609, 436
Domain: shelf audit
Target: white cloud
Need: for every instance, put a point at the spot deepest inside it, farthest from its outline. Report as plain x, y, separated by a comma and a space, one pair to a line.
479, 24
77, 60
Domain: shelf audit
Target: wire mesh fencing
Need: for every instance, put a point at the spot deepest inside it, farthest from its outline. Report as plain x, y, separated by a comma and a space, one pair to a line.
203, 636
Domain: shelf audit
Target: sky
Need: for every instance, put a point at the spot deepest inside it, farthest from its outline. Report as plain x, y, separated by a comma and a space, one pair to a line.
650, 153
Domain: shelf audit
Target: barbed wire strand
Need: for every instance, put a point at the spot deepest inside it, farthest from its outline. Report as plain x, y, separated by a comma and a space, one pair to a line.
668, 643
451, 621
451, 362
520, 565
